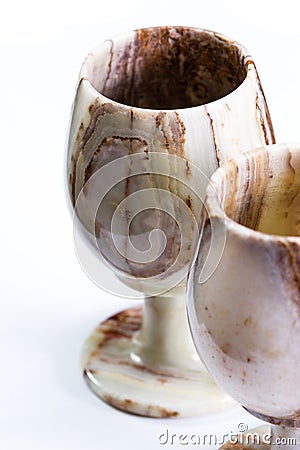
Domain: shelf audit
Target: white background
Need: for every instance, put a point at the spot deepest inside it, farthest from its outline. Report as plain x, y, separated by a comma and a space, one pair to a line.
48, 305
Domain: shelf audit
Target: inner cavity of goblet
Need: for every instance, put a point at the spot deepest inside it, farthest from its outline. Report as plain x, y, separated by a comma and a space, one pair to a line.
168, 68
267, 199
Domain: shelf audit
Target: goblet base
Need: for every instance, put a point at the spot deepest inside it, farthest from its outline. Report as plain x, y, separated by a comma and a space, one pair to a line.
114, 376
256, 439
265, 438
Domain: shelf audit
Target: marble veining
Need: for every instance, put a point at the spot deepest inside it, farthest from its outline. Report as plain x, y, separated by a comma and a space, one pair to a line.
175, 90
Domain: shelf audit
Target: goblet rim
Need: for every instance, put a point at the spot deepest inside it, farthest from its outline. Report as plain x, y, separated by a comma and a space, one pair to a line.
213, 203
248, 63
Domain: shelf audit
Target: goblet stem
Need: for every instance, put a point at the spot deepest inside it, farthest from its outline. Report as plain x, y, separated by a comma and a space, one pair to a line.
164, 341
146, 363
286, 438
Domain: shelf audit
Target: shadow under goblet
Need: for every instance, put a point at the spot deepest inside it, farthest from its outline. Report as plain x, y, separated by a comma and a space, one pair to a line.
153, 109
245, 318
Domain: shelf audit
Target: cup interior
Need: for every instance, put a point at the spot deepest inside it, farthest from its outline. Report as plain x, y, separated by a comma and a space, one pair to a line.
168, 68
262, 190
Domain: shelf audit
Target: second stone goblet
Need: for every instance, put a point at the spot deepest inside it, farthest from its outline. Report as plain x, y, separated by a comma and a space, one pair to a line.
245, 318
156, 110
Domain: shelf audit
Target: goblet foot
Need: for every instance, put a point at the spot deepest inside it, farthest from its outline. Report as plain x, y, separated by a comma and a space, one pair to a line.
113, 375
256, 439
265, 438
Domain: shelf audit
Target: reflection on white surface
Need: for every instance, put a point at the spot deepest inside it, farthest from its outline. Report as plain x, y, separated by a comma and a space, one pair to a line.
48, 305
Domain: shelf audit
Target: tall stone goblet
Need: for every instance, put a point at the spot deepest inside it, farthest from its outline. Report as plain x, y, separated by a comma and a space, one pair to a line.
156, 112
245, 317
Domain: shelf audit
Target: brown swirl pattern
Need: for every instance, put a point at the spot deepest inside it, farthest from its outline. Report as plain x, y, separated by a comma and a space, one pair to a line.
153, 91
